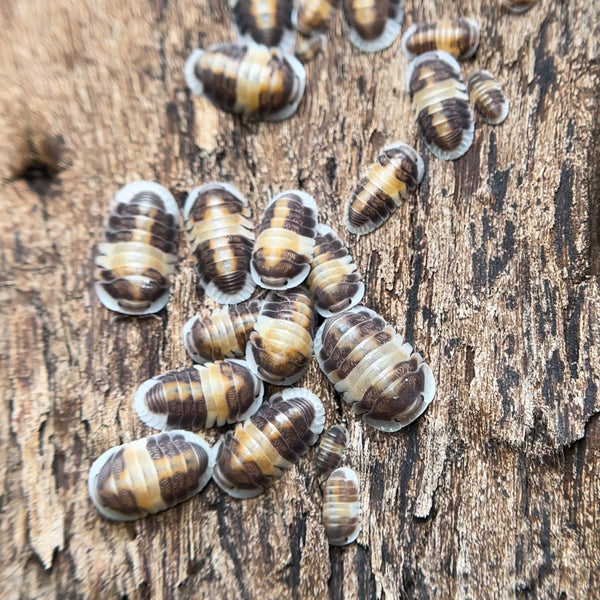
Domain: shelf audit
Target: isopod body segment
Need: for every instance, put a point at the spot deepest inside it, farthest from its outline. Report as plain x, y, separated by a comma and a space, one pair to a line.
441, 103
285, 241
266, 22
341, 507
394, 175
373, 25
135, 263
151, 474
387, 383
488, 97
199, 397
262, 448
251, 80
459, 37
220, 333
331, 450
219, 223
280, 346
334, 280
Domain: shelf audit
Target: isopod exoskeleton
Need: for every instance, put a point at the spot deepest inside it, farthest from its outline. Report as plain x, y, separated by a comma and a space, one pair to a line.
220, 333
334, 280
395, 174
199, 397
310, 16
440, 101
250, 80
373, 24
260, 450
341, 507
458, 37
280, 346
374, 369
135, 263
285, 241
221, 232
518, 6
266, 22
488, 97
146, 476
331, 450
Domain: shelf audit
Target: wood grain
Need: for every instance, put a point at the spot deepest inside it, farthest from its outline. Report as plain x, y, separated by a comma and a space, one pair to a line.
491, 271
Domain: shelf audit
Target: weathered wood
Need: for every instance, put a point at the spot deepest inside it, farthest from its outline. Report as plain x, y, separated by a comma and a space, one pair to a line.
492, 271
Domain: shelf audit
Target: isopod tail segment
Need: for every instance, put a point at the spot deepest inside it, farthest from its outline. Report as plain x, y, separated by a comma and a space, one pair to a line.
373, 28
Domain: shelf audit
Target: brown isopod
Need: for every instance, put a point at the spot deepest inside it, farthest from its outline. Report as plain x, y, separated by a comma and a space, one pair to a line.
374, 369
151, 474
199, 397
334, 280
373, 25
220, 333
488, 97
135, 264
341, 507
280, 346
307, 48
221, 232
331, 450
312, 16
518, 6
251, 80
458, 37
260, 450
285, 241
266, 22
394, 175
440, 101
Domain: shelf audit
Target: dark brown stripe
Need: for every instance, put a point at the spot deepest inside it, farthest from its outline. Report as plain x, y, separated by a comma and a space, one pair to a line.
458, 116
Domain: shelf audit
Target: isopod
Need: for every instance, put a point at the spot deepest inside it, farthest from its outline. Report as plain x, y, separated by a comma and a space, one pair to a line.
220, 333
251, 80
307, 48
260, 450
151, 474
440, 101
518, 6
334, 280
394, 175
221, 232
488, 97
280, 346
374, 369
285, 241
331, 450
267, 22
341, 507
199, 397
457, 37
312, 16
135, 263
373, 25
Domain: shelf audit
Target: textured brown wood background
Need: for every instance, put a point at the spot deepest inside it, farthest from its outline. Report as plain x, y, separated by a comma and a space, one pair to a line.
492, 271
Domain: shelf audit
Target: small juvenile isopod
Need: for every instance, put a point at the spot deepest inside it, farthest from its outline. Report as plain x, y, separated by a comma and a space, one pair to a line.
266, 22
331, 450
518, 6
458, 37
250, 80
488, 97
280, 347
151, 474
333, 280
307, 48
220, 333
260, 450
373, 25
221, 232
199, 397
285, 241
312, 16
440, 101
135, 264
395, 174
341, 507
374, 369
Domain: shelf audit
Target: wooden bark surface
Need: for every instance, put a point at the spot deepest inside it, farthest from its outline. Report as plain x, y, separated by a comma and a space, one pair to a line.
491, 271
